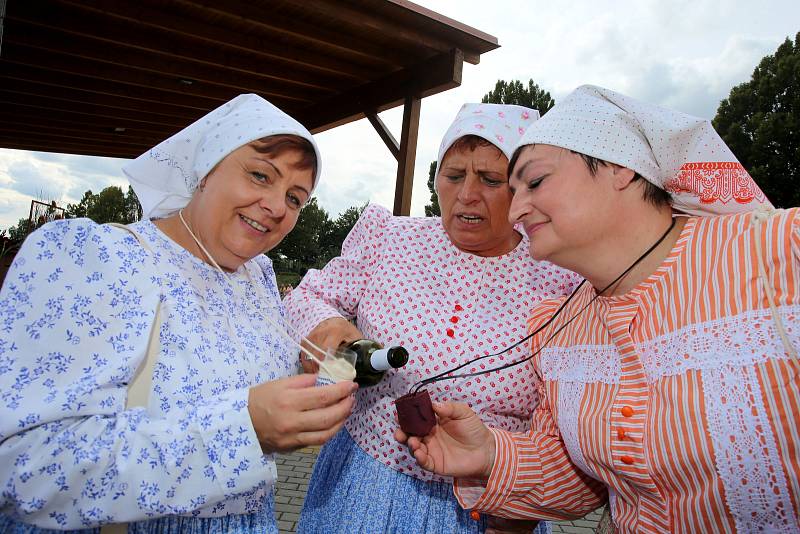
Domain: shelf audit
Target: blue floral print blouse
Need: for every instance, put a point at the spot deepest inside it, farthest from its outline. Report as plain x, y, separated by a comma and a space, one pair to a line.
76, 312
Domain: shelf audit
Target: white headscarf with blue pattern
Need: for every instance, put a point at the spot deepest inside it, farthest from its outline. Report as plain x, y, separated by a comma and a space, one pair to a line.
165, 177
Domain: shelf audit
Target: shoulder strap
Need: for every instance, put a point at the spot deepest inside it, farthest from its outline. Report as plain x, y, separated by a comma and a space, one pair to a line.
140, 385
133, 232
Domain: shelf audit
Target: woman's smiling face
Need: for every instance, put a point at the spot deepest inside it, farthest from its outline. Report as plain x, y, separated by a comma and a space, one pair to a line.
249, 202
561, 205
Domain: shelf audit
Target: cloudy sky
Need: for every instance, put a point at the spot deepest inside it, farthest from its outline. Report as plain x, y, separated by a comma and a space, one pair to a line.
682, 54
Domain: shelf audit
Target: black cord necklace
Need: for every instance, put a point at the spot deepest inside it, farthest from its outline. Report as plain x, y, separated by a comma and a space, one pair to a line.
443, 375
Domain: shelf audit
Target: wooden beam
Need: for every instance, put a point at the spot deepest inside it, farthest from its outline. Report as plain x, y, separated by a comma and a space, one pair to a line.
408, 154
358, 48
55, 64
78, 96
384, 133
42, 119
127, 58
43, 145
56, 137
91, 110
390, 32
187, 21
434, 75
103, 29
12, 72
474, 42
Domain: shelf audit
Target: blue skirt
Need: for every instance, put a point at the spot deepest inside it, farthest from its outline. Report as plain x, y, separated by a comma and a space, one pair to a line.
262, 521
350, 492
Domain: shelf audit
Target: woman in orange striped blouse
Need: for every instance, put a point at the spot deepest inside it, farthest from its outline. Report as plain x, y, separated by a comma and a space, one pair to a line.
672, 390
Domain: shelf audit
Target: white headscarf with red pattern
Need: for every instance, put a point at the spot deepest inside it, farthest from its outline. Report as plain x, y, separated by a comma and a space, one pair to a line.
677, 152
500, 124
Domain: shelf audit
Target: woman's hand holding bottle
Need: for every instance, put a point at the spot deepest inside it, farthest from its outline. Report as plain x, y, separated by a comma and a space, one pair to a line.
291, 413
328, 334
460, 445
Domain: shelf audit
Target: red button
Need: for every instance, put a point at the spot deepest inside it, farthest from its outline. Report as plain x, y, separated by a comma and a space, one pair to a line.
627, 460
450, 332
458, 307
627, 411
454, 319
620, 434
475, 515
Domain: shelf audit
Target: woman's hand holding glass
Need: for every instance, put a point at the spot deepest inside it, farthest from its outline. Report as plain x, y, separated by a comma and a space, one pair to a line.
291, 413
460, 445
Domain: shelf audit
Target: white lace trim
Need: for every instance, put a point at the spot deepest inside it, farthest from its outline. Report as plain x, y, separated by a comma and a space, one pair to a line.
745, 452
742, 340
570, 395
584, 363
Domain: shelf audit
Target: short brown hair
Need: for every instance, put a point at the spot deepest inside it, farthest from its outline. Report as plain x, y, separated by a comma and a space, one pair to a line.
275, 145
652, 193
514, 157
469, 143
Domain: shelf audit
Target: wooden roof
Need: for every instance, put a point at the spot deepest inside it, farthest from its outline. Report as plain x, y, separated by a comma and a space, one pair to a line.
115, 77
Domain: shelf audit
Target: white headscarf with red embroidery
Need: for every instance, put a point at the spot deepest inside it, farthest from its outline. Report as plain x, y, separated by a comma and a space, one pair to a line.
677, 152
500, 124
165, 177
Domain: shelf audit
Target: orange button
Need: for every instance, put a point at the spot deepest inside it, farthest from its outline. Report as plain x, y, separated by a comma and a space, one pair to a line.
627, 460
475, 515
627, 411
620, 434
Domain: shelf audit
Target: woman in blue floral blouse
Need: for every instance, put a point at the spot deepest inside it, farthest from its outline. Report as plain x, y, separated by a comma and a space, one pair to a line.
144, 372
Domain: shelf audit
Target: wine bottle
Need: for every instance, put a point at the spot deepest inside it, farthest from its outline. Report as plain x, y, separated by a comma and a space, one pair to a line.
372, 360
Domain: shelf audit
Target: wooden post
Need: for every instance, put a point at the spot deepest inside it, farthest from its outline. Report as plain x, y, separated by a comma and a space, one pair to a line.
408, 153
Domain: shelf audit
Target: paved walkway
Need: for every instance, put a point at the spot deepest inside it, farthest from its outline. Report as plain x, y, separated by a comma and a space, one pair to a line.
294, 470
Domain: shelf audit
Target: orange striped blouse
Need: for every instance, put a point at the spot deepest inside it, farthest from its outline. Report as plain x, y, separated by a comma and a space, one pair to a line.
676, 399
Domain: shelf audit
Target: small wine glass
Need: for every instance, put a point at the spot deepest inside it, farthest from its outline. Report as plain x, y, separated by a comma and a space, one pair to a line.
337, 365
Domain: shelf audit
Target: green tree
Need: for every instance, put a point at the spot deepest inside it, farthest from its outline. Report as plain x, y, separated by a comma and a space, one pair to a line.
18, 232
337, 231
109, 205
133, 210
315, 239
303, 246
514, 92
760, 122
82, 207
433, 209
504, 92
